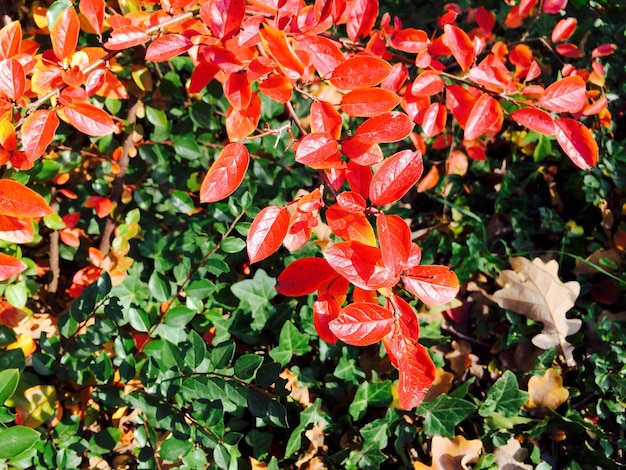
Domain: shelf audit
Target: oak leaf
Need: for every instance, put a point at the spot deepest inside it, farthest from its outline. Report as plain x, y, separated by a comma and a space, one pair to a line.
534, 289
547, 391
452, 454
511, 456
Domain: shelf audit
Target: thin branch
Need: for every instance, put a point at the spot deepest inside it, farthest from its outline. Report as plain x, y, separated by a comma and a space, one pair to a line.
295, 118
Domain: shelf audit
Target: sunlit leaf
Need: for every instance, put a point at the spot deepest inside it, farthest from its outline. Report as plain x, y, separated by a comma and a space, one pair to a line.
38, 131
535, 120
94, 12
577, 142
226, 173
567, 95
361, 324
64, 33
368, 102
304, 276
361, 71
16, 200
10, 266
433, 285
395, 177
89, 119
267, 232
223, 17
167, 47
360, 264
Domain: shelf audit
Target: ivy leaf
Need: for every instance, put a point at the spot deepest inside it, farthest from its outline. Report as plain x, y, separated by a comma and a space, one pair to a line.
255, 294
370, 393
443, 414
504, 396
534, 289
375, 436
291, 342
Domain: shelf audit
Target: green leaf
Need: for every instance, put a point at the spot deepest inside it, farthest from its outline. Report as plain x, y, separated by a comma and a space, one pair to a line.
182, 202
156, 117
186, 147
291, 342
246, 366
179, 316
104, 441
159, 287
174, 449
16, 440
311, 415
443, 414
222, 354
232, 245
374, 441
504, 396
375, 394
139, 319
8, 383
255, 294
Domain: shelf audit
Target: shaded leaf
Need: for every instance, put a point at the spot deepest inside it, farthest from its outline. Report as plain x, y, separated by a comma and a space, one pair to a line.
304, 276
443, 414
456, 453
546, 391
504, 397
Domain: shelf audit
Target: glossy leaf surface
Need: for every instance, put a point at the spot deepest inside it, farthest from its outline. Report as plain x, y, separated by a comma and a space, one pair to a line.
226, 173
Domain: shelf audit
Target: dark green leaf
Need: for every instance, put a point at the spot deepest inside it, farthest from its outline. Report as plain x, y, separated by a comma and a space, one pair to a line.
8, 383
504, 396
443, 414
246, 366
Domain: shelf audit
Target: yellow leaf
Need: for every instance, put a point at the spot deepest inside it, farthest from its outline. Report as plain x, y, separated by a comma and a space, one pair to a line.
441, 385
26, 343
535, 290
41, 405
547, 391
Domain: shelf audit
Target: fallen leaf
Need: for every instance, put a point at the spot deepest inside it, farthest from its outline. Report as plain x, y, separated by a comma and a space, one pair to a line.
452, 454
299, 394
535, 290
511, 456
461, 359
442, 384
316, 437
546, 392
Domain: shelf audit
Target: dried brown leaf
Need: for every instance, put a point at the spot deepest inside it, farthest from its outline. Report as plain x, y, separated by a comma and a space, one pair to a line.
546, 392
511, 456
534, 289
452, 454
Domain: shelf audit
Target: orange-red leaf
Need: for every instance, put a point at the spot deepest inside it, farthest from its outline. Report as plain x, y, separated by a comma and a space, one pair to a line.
167, 47
278, 47
361, 71
577, 142
350, 225
226, 173
64, 33
409, 40
277, 87
360, 264
603, 50
368, 102
460, 45
361, 18
553, 6
314, 148
567, 95
89, 119
564, 29
10, 266
223, 17
325, 118
37, 132
416, 375
126, 37
93, 10
534, 119
351, 201
433, 285
395, 176
241, 123
267, 232
304, 276
10, 40
459, 102
434, 121
386, 127
325, 309
394, 236
102, 205
12, 79
323, 53
485, 113
362, 323
15, 230
238, 90
16, 200
427, 83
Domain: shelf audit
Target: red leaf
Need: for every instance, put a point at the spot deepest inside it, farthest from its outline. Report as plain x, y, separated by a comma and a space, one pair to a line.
429, 181
417, 374
325, 118
361, 71
603, 50
102, 205
566, 95
350, 225
577, 142
394, 237
485, 113
360, 264
10, 40
351, 201
359, 178
564, 29
226, 173
362, 324
304, 276
395, 176
386, 127
427, 83
267, 232
409, 324
16, 230
569, 50
89, 119
361, 153
314, 148
12, 79
361, 18
553, 6
126, 37
10, 266
278, 47
534, 119
64, 33
223, 17
37, 132
93, 10
434, 121
16, 200
238, 90
409, 40
459, 102
242, 123
460, 45
276, 87
433, 285
368, 102
323, 53
325, 309
167, 47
